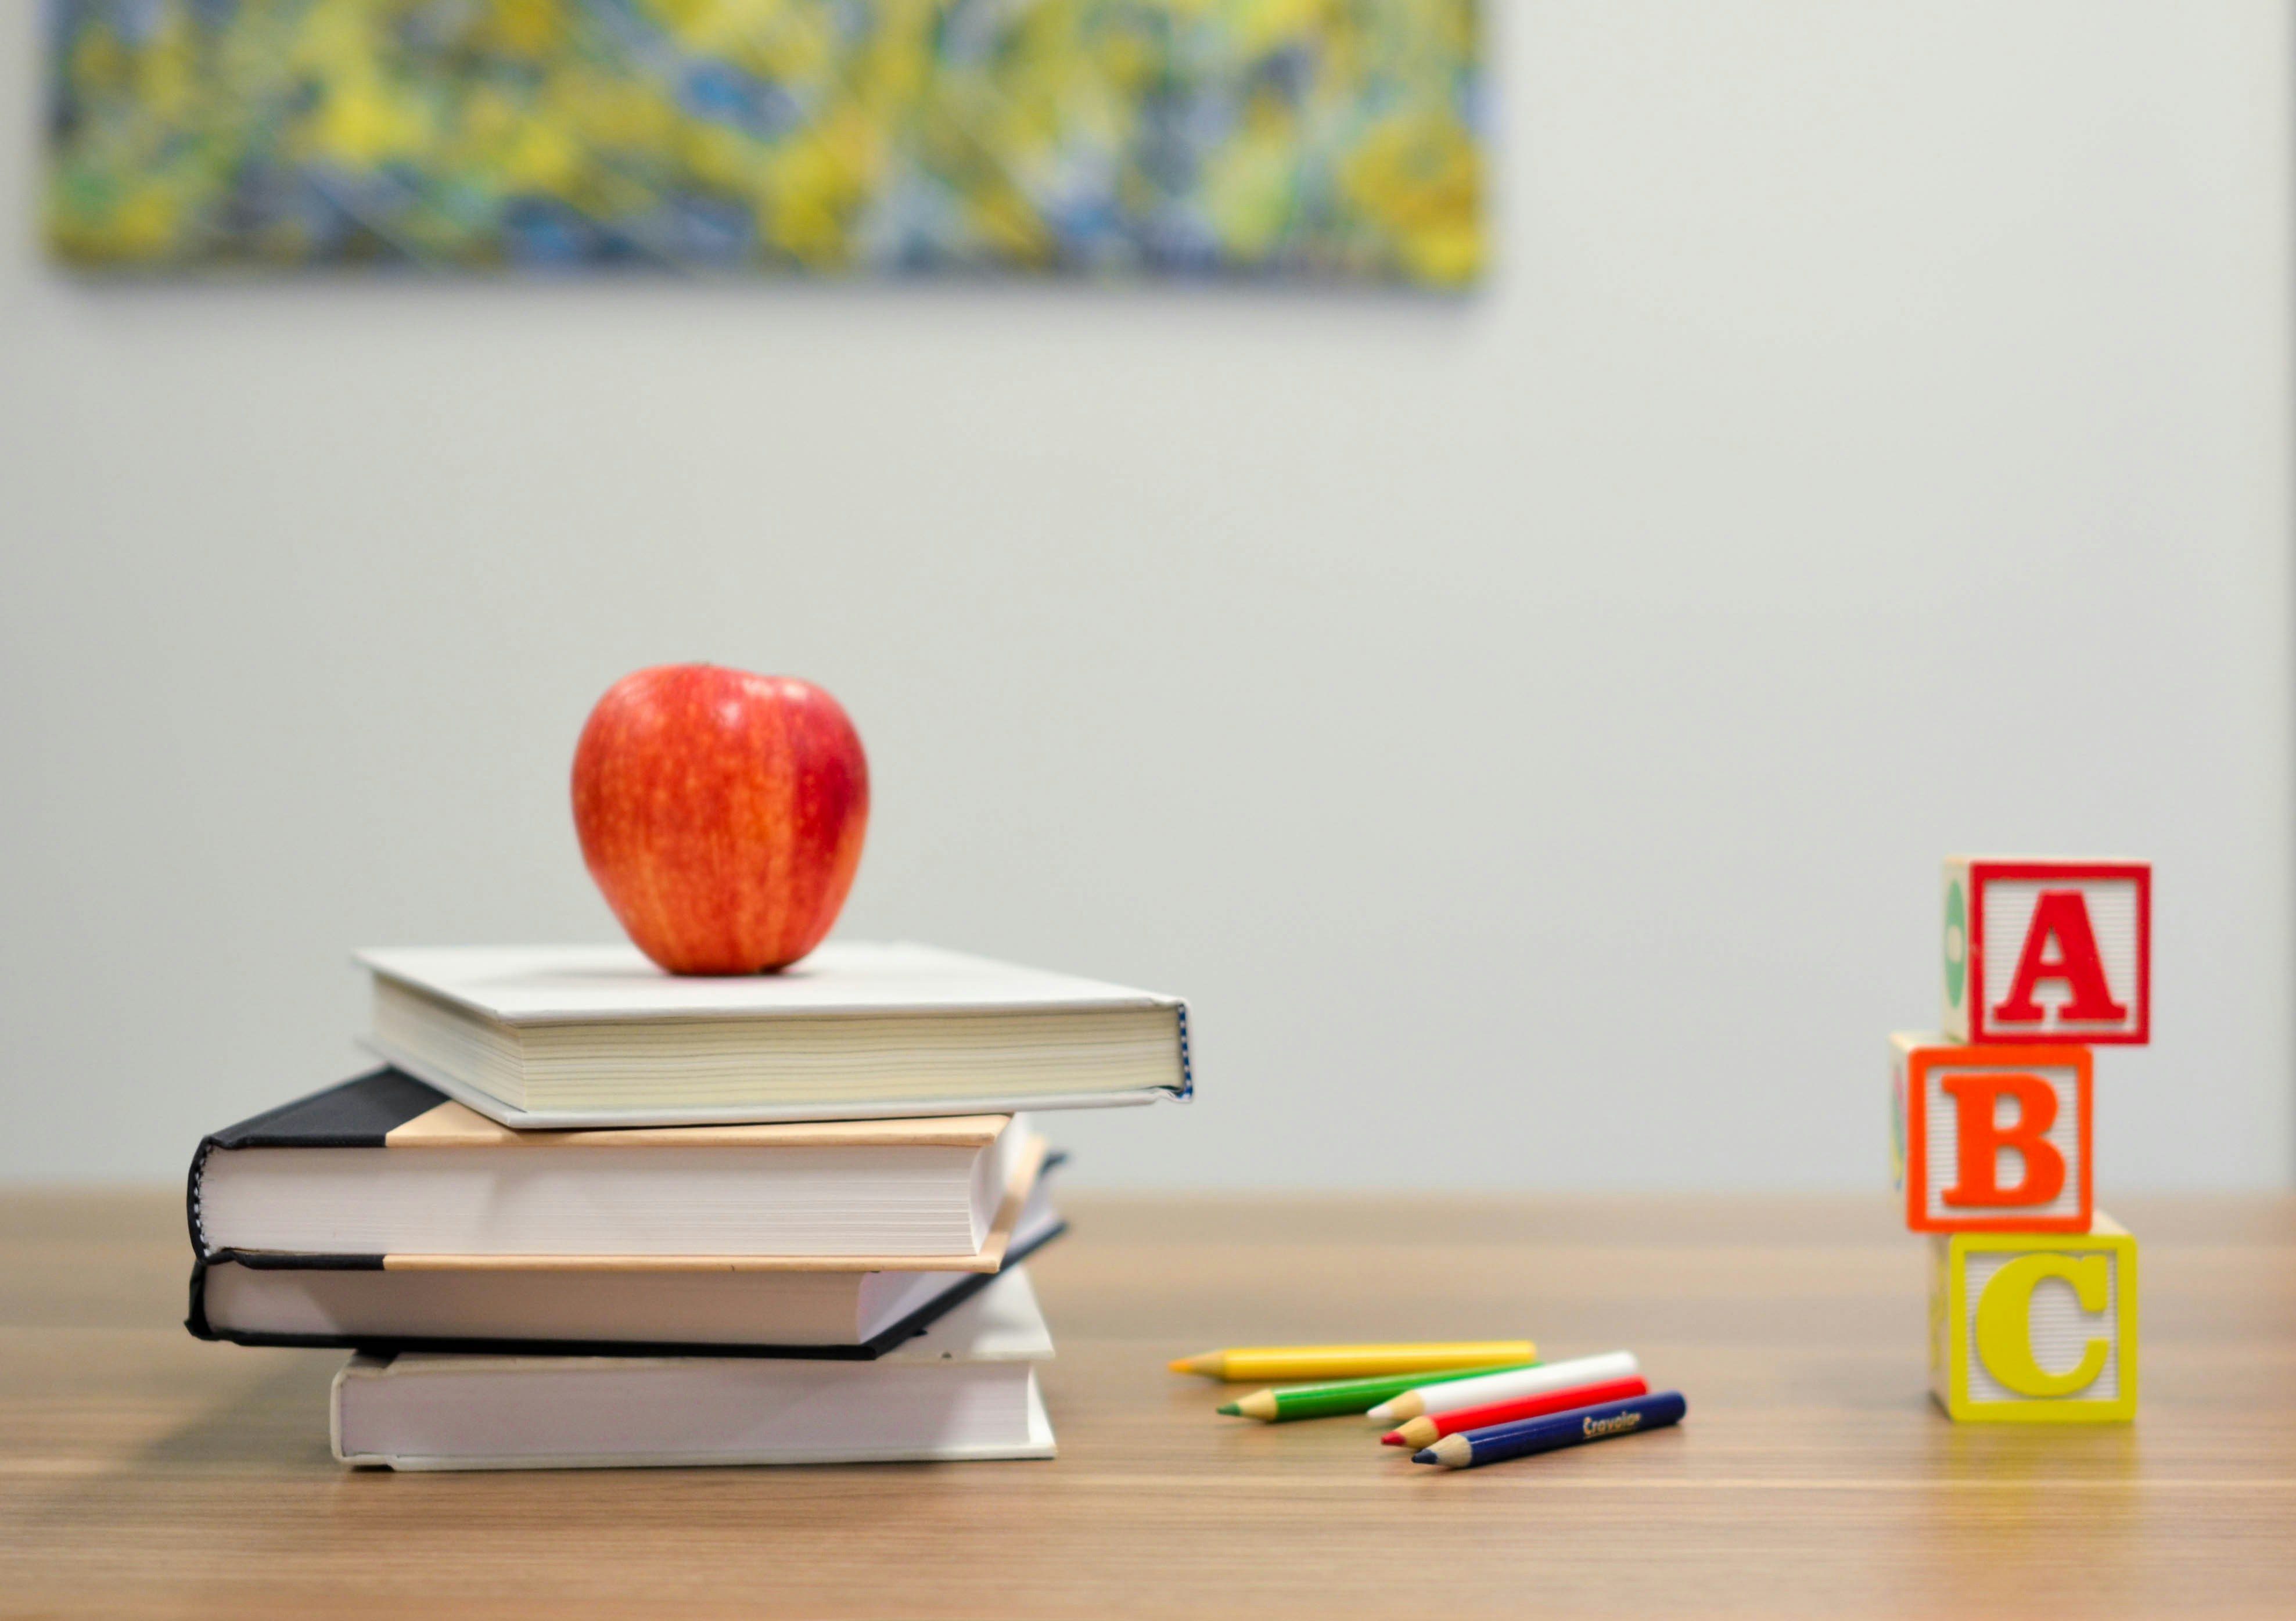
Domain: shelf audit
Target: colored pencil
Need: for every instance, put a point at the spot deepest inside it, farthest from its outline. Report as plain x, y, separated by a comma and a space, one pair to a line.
1498, 1386
1501, 1442
1422, 1431
1273, 1363
1347, 1395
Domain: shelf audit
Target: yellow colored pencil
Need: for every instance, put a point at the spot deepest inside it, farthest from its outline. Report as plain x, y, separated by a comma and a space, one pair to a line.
1267, 1362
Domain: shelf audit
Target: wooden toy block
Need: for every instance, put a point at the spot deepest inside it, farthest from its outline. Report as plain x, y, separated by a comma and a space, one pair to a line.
1992, 1139
2034, 1328
2048, 951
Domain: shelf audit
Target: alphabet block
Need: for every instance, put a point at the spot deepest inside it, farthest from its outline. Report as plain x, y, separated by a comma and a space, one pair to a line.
1992, 1139
2034, 1328
2048, 951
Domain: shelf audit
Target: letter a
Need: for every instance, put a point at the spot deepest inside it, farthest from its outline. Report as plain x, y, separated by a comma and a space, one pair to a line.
2061, 915
1981, 1137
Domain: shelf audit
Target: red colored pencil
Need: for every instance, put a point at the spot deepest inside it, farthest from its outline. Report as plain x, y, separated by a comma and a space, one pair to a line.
1432, 1428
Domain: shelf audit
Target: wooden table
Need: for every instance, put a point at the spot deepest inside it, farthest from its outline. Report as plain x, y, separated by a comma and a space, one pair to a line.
144, 1474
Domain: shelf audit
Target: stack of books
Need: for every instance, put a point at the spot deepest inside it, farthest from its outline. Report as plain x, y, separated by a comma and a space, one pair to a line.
593, 1214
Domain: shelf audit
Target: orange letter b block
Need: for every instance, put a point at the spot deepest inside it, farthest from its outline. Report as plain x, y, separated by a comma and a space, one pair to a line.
1997, 1139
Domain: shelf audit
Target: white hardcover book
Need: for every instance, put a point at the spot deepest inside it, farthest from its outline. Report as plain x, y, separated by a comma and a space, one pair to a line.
966, 1388
551, 1037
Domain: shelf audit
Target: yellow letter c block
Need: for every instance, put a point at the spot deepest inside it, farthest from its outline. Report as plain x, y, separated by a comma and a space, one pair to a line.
1983, 1328
2004, 1311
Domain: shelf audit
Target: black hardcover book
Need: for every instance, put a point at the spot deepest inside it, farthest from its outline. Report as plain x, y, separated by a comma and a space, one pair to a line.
636, 1289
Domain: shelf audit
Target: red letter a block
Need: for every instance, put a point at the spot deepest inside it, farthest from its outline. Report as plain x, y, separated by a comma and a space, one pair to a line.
2048, 951
1997, 1138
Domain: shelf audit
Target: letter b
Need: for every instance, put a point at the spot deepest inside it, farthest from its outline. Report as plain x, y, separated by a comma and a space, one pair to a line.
1981, 1138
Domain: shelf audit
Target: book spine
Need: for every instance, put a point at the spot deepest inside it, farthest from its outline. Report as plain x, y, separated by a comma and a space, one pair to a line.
192, 1202
195, 1319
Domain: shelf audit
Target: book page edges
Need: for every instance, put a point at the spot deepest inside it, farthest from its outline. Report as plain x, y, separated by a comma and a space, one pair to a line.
1040, 1444
749, 1114
456, 1125
991, 1258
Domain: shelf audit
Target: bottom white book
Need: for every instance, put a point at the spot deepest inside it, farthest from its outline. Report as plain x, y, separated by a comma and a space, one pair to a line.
965, 1388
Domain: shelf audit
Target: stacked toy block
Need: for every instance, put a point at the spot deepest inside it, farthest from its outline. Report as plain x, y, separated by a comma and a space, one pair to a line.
2032, 1289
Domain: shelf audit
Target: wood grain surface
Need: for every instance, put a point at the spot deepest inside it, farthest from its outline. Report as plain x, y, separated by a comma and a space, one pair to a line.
144, 1474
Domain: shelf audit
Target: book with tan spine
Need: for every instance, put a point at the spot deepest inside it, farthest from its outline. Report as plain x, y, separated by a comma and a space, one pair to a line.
383, 1167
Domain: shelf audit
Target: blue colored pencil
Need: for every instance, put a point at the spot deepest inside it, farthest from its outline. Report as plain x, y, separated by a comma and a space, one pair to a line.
1551, 1431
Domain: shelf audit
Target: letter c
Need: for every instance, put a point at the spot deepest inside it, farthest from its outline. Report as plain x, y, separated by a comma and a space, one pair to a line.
2004, 1336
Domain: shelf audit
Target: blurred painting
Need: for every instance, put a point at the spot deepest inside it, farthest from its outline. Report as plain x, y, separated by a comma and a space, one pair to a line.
1331, 139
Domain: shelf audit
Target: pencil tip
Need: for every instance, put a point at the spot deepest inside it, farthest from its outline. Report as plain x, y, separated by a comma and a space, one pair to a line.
1392, 1439
1231, 1409
1425, 1455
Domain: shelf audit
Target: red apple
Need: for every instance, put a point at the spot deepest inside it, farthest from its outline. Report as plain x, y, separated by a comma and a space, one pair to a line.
722, 814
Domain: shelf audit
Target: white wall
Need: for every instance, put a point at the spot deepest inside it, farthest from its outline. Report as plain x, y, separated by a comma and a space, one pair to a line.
1527, 727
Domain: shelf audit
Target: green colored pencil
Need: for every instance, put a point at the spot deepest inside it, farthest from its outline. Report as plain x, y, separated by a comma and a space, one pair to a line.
1345, 1396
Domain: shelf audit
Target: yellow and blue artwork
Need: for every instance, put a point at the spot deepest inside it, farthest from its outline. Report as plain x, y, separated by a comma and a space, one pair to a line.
1248, 138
